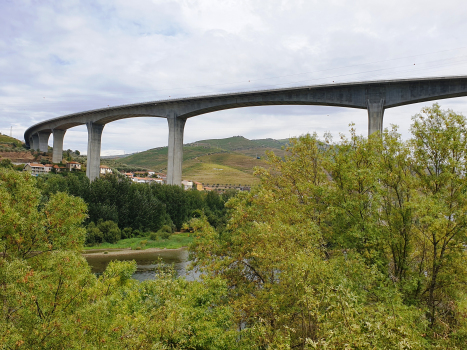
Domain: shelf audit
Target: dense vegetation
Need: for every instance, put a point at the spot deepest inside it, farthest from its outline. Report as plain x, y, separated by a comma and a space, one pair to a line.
119, 208
361, 245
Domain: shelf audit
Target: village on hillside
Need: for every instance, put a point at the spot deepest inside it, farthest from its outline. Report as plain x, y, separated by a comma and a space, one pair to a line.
39, 163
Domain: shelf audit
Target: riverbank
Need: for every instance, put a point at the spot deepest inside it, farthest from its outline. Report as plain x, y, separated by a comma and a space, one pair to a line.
175, 241
115, 252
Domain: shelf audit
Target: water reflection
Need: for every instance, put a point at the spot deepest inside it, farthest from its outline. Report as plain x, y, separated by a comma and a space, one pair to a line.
145, 262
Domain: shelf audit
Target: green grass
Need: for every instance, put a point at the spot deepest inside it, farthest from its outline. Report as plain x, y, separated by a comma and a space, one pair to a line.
173, 242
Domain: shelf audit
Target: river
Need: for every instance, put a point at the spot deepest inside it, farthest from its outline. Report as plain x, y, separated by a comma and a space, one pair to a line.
145, 261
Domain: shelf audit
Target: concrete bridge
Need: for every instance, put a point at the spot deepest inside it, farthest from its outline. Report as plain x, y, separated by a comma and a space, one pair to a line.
374, 96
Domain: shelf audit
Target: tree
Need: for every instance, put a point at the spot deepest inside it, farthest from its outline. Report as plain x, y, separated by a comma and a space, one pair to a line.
49, 297
440, 163
29, 226
341, 239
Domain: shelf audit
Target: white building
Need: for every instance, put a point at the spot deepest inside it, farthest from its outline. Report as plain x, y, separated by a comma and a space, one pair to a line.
104, 169
146, 180
187, 185
73, 165
36, 169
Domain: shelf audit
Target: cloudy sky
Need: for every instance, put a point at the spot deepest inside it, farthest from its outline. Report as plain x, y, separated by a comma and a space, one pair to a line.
59, 57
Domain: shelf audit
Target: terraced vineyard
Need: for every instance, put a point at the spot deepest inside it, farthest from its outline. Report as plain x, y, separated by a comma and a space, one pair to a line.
223, 161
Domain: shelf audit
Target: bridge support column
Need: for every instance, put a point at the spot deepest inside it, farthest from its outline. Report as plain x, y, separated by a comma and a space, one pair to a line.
375, 116
44, 140
94, 150
57, 154
35, 142
175, 156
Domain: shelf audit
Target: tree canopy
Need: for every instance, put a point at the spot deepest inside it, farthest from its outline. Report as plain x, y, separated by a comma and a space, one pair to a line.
354, 244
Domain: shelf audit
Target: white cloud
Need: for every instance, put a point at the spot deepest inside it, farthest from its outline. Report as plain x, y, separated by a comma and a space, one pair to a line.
63, 57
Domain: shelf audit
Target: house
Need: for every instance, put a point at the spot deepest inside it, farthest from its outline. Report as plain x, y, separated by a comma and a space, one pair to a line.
130, 175
187, 185
150, 173
58, 169
48, 168
104, 169
198, 186
73, 166
146, 180
35, 168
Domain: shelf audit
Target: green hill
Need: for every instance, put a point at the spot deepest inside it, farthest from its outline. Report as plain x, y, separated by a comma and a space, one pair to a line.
224, 161
7, 141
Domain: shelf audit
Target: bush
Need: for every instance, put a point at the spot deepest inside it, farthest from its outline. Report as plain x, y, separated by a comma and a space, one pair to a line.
127, 232
93, 234
166, 228
163, 234
110, 231
153, 236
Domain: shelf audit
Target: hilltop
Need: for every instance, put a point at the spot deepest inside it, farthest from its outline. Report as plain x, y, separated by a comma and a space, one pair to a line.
224, 161
9, 142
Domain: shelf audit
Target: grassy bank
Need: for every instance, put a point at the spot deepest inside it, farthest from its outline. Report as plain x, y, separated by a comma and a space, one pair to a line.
173, 242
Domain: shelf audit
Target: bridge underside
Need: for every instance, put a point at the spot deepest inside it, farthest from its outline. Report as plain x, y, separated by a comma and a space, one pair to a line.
374, 96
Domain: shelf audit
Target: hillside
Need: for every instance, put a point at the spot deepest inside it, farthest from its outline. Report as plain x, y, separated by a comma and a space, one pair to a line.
9, 142
224, 161
12, 149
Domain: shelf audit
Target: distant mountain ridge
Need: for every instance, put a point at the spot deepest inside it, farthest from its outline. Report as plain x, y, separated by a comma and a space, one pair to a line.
229, 160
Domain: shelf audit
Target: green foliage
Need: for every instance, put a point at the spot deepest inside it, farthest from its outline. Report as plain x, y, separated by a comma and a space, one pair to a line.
30, 223
137, 206
6, 163
110, 231
127, 232
359, 244
93, 234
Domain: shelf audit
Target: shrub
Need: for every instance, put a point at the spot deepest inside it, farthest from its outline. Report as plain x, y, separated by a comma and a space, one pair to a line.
166, 228
154, 236
110, 231
127, 232
163, 234
93, 234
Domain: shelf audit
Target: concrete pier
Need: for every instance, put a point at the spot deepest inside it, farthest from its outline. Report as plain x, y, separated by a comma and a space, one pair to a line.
57, 154
44, 141
35, 142
94, 150
375, 116
175, 150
